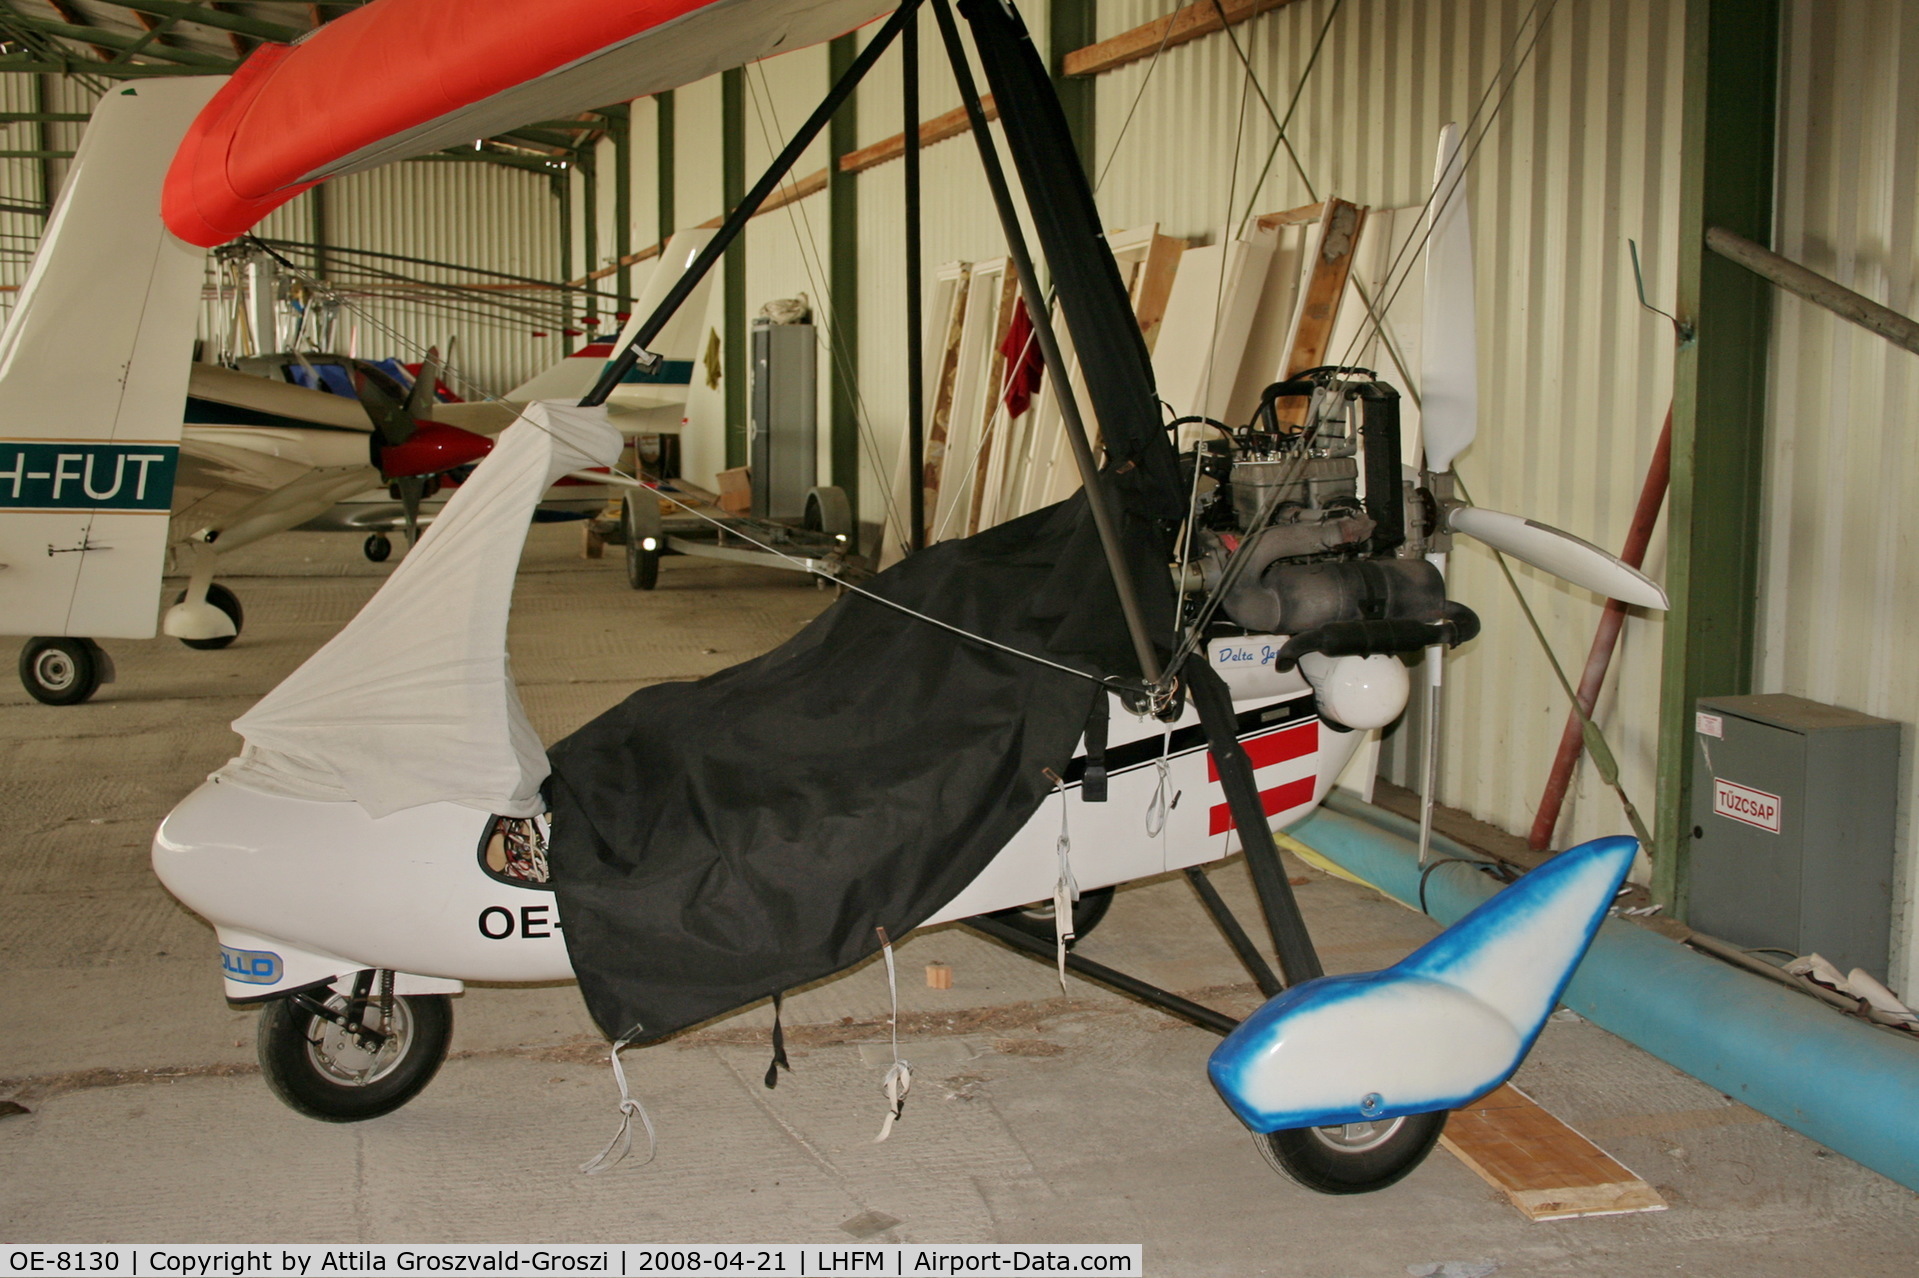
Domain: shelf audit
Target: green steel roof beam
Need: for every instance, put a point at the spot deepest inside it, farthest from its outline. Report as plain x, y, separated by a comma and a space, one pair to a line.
110, 70
201, 15
120, 42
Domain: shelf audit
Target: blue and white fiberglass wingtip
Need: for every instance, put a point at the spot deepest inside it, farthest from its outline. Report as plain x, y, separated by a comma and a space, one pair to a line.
1446, 1024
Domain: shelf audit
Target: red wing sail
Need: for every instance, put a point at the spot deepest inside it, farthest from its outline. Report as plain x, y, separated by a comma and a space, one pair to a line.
400, 78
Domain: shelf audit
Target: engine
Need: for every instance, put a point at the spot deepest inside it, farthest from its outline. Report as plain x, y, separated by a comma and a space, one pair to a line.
1307, 526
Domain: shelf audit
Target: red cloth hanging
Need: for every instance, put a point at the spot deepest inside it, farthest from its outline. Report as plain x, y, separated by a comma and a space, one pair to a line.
1024, 363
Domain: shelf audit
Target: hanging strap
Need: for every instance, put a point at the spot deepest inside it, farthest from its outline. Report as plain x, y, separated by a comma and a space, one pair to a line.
617, 1148
899, 1075
1092, 786
779, 1061
1164, 798
1066, 889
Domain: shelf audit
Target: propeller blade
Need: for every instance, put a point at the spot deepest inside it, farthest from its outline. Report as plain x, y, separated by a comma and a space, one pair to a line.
420, 399
382, 398
1449, 348
412, 492
1559, 553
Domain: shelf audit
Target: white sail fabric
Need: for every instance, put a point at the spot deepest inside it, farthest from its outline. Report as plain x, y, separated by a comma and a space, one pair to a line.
413, 702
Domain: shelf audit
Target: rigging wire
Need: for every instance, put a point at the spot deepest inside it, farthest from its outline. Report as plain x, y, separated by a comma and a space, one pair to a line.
819, 278
1442, 192
452, 377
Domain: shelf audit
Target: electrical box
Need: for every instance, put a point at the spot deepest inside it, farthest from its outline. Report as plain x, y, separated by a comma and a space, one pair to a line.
1792, 827
782, 441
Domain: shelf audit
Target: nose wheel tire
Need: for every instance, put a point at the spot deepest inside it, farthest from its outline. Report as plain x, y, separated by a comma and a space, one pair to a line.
323, 1069
226, 601
645, 540
377, 547
1353, 1158
61, 672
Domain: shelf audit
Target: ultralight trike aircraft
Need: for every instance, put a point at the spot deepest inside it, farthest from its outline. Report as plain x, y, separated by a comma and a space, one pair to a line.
997, 720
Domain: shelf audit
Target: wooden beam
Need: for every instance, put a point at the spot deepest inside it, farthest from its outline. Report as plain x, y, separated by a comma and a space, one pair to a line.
1188, 24
937, 129
1290, 217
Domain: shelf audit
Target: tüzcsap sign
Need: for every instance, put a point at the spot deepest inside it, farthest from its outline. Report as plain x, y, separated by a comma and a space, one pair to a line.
1743, 803
37, 475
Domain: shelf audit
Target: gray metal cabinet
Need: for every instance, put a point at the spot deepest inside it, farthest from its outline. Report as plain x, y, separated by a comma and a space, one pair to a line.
783, 441
1793, 806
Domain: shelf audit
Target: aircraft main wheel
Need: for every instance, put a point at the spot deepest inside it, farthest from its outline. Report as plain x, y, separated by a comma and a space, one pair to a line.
324, 1072
61, 672
829, 511
226, 601
1353, 1158
377, 547
645, 541
1037, 919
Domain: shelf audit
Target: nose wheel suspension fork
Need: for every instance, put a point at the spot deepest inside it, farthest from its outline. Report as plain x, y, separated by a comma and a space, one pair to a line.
344, 1052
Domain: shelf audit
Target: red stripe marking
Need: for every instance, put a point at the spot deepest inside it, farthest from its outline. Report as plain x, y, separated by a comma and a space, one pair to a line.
1293, 742
1275, 801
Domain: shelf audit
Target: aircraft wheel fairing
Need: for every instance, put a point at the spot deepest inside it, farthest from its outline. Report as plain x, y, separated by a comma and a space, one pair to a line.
1352, 1158
321, 1069
226, 601
377, 547
61, 672
645, 542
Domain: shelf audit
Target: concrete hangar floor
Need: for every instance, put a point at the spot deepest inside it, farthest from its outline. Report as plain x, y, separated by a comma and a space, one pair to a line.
1036, 1116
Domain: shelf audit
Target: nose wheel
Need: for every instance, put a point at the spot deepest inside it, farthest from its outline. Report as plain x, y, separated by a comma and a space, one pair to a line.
229, 603
1353, 1158
377, 547
343, 1057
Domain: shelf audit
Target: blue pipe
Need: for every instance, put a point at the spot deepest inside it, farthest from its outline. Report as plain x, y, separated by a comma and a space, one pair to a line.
1852, 1088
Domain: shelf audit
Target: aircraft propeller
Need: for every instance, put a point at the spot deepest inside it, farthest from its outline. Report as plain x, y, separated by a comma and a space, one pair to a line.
411, 451
1449, 419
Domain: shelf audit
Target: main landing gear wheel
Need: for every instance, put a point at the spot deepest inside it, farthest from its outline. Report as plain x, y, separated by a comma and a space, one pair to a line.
226, 601
828, 511
377, 547
645, 542
61, 672
1353, 1158
317, 1063
1037, 919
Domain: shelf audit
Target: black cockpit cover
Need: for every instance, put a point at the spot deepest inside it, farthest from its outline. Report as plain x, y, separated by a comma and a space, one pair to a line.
719, 841
716, 842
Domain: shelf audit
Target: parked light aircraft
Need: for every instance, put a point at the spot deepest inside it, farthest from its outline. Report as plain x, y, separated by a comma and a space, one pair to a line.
1304, 573
105, 484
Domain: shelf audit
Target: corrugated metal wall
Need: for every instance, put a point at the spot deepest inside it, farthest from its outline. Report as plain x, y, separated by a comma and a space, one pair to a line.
1574, 378
1579, 101
1837, 578
475, 214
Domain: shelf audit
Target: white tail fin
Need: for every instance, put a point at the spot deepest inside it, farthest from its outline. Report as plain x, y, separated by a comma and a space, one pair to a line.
93, 380
677, 343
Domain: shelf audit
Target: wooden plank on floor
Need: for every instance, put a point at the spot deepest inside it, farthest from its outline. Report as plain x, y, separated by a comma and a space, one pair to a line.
1548, 1170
